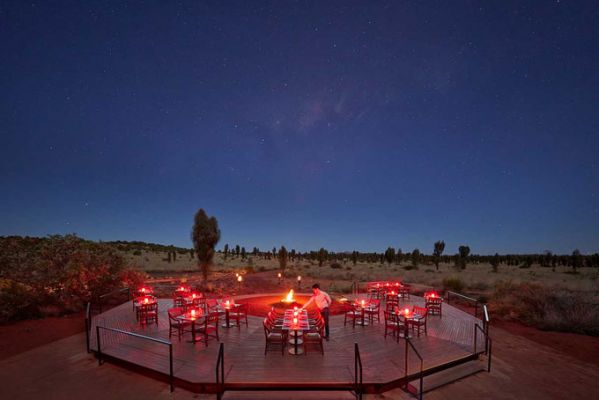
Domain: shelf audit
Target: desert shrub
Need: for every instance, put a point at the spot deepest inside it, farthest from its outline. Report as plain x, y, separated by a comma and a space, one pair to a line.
16, 301
410, 267
480, 285
428, 270
137, 252
546, 308
63, 272
453, 283
336, 266
262, 269
348, 268
249, 270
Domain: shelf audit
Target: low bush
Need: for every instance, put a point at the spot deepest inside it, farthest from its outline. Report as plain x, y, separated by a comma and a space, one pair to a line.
546, 308
336, 266
453, 283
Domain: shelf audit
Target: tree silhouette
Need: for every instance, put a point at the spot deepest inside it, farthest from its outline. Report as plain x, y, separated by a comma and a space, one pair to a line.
237, 250
226, 250
439, 248
464, 251
205, 235
416, 258
399, 255
390, 255
322, 256
354, 257
243, 253
576, 260
283, 259
495, 262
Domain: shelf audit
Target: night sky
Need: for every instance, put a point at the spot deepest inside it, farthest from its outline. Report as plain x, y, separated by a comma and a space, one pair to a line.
347, 125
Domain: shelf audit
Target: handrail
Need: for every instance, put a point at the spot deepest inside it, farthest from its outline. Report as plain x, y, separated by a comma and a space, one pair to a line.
488, 345
220, 379
476, 302
421, 379
120, 290
137, 335
357, 372
88, 327
486, 319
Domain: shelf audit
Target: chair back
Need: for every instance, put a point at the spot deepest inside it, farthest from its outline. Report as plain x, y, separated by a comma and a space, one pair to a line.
420, 310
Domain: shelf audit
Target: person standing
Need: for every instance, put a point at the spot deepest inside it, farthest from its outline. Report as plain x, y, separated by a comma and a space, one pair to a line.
322, 301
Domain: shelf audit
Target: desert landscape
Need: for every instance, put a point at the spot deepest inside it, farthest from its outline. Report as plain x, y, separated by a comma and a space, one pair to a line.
288, 199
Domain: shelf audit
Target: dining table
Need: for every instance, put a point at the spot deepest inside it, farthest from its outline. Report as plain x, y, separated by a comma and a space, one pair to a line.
297, 322
227, 307
192, 316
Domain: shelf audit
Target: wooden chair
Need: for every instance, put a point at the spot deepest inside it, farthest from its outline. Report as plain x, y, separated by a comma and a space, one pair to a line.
393, 325
404, 293
352, 314
420, 322
434, 306
391, 304
373, 311
208, 328
148, 313
240, 313
175, 324
273, 339
180, 302
314, 337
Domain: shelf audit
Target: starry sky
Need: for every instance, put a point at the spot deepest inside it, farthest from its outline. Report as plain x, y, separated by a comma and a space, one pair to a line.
341, 124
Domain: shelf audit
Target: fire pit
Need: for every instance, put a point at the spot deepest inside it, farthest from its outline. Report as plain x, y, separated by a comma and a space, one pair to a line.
289, 301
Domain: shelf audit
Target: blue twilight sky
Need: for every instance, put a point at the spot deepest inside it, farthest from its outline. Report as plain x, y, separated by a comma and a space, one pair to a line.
342, 124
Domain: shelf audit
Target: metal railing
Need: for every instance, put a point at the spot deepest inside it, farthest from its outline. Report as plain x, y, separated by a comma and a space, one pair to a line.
220, 372
102, 298
475, 301
96, 307
357, 372
137, 335
488, 344
421, 379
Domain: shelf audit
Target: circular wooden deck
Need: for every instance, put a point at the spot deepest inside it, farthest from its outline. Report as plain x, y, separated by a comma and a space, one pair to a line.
449, 338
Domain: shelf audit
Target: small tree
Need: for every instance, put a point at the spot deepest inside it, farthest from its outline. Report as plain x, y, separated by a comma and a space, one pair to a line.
205, 235
390, 255
464, 251
226, 250
322, 256
243, 253
576, 261
237, 250
354, 257
439, 248
495, 262
416, 258
282, 259
399, 255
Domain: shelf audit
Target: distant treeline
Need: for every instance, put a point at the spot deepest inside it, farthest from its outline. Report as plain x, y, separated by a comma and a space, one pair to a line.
390, 255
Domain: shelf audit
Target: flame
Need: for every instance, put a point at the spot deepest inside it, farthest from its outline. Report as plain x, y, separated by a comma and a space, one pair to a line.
289, 297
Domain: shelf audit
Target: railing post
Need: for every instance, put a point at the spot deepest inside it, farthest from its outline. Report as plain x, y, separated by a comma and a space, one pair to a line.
406, 358
475, 334
170, 356
421, 380
87, 328
489, 356
99, 345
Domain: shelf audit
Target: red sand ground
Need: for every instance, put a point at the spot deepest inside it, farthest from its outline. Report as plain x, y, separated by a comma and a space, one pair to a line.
21, 336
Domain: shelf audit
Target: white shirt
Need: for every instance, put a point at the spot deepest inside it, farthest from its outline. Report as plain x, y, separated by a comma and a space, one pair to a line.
322, 300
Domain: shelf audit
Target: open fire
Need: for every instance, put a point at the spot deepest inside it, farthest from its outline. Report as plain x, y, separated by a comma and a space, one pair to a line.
289, 298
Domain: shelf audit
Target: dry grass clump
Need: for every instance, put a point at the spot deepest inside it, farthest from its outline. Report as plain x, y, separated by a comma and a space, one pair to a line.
554, 309
454, 284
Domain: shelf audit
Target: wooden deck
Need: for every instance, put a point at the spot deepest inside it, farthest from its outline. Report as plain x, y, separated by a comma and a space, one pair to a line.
449, 338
